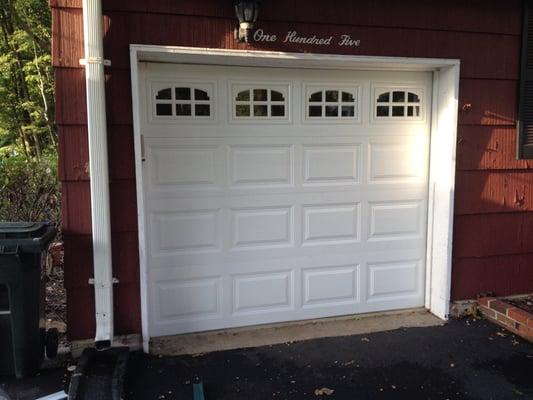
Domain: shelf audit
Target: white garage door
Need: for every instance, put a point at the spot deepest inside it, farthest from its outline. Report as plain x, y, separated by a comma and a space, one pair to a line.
277, 194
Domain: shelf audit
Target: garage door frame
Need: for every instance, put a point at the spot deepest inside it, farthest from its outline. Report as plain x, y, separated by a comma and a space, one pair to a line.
442, 150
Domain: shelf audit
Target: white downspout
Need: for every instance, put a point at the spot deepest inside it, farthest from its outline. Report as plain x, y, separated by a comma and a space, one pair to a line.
99, 170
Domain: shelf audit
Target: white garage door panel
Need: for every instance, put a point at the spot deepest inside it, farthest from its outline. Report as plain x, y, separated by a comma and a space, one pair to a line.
196, 298
187, 231
262, 227
330, 285
263, 292
260, 165
396, 220
396, 279
331, 164
282, 217
331, 223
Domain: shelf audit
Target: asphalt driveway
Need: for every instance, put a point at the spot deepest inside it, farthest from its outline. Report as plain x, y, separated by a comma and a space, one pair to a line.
465, 359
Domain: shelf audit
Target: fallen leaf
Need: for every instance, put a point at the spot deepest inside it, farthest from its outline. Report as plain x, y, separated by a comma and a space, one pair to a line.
324, 391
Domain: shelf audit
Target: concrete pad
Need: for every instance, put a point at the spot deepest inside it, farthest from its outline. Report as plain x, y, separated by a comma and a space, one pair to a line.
133, 341
264, 335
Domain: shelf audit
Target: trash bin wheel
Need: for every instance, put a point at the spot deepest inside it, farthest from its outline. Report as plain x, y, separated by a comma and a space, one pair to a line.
52, 342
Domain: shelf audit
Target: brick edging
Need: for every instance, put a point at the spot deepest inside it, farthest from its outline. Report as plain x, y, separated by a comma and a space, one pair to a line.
510, 317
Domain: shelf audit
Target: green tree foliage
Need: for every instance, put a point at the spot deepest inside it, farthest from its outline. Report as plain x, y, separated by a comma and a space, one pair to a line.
26, 80
29, 187
29, 190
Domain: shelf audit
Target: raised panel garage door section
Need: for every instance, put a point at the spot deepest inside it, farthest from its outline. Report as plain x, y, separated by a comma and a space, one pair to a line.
276, 194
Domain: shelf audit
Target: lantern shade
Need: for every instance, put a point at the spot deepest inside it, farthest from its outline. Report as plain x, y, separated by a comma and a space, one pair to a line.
247, 11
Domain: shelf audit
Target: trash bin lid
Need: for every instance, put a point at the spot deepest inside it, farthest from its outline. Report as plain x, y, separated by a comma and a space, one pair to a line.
24, 229
29, 237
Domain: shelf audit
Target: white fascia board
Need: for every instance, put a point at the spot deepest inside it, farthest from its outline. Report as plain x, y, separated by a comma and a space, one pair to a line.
188, 55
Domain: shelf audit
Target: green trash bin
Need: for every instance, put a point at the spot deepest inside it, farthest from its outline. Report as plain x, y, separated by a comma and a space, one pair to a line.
23, 247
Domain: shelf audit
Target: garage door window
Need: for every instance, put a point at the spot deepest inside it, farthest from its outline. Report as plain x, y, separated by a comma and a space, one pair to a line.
397, 104
259, 103
331, 104
181, 101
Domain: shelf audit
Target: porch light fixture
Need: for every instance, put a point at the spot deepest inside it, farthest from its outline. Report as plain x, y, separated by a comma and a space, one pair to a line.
246, 12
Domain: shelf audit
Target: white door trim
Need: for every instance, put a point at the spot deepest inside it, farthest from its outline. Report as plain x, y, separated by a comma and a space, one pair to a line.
442, 150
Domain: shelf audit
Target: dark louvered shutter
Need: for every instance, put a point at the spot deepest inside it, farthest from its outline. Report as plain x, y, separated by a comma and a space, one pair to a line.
525, 122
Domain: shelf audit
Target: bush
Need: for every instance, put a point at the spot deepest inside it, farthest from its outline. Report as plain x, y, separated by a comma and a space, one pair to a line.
29, 190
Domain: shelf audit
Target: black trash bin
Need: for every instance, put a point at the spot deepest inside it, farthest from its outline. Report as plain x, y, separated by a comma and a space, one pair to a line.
23, 247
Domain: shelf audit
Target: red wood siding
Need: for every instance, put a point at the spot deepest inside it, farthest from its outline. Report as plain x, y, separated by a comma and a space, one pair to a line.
454, 15
487, 192
505, 275
488, 148
495, 55
487, 235
493, 231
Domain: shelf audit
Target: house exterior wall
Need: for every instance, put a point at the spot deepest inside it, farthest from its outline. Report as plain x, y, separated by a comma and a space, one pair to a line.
493, 234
